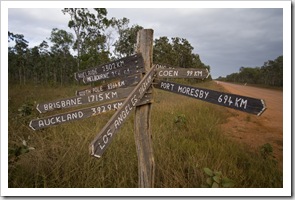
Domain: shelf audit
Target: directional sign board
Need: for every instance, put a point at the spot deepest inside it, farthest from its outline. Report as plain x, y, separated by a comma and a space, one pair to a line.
105, 136
92, 98
163, 66
74, 115
128, 81
81, 114
134, 61
242, 103
183, 73
123, 72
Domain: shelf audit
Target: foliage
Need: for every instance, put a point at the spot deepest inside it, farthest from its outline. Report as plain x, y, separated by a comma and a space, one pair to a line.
89, 46
177, 52
17, 150
216, 179
25, 109
266, 150
271, 73
90, 38
41, 64
126, 43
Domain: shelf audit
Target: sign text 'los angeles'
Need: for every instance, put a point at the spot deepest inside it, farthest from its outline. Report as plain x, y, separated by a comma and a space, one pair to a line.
104, 137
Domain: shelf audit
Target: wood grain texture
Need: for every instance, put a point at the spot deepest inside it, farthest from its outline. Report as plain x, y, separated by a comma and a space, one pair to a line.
119, 93
134, 61
242, 103
183, 73
142, 120
122, 83
103, 139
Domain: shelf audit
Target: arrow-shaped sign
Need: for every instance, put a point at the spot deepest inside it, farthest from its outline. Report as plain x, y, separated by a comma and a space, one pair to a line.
105, 136
129, 81
183, 73
123, 72
135, 61
81, 114
241, 103
119, 93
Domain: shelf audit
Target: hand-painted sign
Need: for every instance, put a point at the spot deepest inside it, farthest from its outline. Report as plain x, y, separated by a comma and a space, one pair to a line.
119, 93
242, 103
129, 81
105, 136
123, 72
183, 73
81, 114
134, 61
163, 66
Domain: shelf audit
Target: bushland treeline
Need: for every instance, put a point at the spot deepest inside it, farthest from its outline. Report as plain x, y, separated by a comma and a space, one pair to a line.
96, 39
270, 74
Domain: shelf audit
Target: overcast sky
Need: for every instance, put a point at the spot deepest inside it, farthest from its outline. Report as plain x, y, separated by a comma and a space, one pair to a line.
225, 38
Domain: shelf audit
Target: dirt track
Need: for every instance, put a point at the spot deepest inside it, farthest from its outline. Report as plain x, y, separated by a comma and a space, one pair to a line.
258, 130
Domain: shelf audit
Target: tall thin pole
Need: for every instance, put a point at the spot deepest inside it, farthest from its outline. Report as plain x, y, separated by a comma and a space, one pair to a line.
142, 122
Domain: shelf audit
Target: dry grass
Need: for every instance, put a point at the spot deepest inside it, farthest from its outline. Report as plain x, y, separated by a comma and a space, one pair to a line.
186, 138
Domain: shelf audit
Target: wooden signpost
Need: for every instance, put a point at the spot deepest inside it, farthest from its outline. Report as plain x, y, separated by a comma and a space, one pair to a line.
134, 61
123, 72
183, 73
122, 83
134, 91
104, 137
82, 100
81, 114
241, 103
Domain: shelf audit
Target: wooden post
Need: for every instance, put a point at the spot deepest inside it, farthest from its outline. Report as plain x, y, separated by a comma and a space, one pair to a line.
142, 121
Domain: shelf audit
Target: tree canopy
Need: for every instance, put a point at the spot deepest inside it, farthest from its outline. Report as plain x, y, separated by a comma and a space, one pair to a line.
92, 43
271, 73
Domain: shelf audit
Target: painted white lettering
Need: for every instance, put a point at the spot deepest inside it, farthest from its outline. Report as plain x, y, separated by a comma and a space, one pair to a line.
243, 103
40, 123
101, 147
134, 100
105, 139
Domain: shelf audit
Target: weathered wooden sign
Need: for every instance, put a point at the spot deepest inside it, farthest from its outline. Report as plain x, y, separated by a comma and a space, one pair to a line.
242, 103
81, 114
183, 73
163, 66
105, 136
134, 61
114, 93
119, 93
128, 81
123, 72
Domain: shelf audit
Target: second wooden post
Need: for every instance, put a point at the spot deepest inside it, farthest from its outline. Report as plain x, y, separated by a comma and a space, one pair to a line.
142, 121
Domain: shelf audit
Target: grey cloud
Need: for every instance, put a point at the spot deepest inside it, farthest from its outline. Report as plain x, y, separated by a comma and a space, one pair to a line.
225, 39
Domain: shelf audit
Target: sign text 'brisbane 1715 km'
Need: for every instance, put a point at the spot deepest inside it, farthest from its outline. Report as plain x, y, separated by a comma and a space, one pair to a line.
84, 113
119, 93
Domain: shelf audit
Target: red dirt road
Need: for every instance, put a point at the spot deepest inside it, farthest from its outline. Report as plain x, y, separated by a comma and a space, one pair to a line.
253, 130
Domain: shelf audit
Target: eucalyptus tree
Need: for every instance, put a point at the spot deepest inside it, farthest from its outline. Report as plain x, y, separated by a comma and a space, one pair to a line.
89, 31
62, 41
126, 42
19, 54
